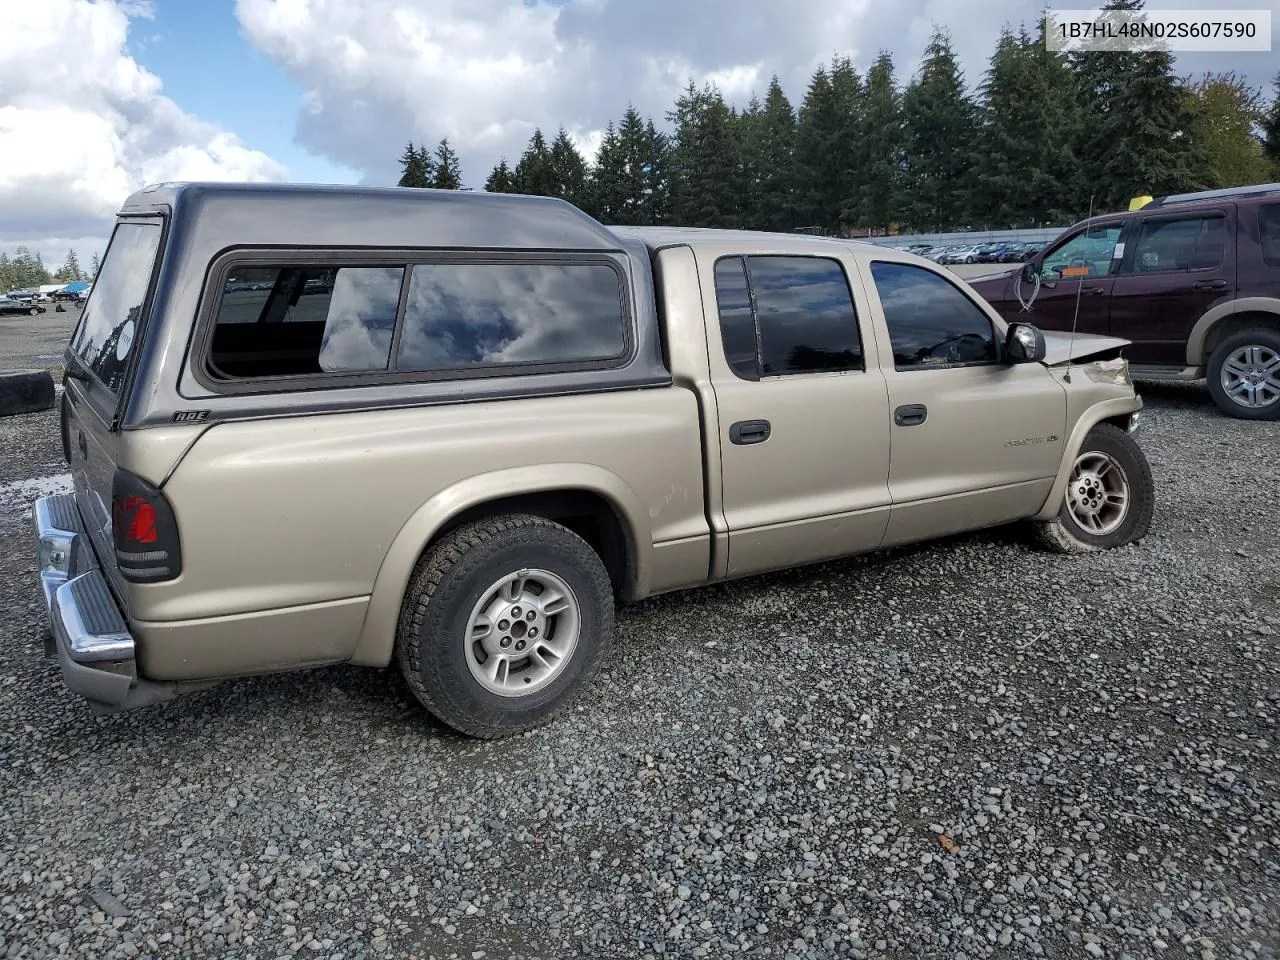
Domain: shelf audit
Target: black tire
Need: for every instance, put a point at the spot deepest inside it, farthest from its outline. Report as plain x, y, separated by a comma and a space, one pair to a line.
25, 391
34, 311
1262, 337
452, 578
1065, 534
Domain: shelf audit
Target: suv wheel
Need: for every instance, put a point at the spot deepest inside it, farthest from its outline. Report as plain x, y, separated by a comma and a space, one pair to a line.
1244, 375
503, 624
1110, 496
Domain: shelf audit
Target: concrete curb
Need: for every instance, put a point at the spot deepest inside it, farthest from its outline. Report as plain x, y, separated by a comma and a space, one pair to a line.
25, 391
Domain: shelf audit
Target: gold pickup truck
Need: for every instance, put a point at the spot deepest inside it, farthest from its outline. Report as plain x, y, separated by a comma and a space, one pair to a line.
450, 431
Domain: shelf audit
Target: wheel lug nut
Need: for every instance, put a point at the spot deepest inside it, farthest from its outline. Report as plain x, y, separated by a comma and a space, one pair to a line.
515, 611
519, 644
530, 615
503, 624
533, 632
505, 642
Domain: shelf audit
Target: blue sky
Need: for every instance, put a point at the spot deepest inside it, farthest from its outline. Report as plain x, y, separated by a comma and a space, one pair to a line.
211, 70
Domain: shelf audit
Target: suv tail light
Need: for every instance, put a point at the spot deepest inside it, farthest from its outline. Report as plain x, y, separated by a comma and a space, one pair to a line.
145, 531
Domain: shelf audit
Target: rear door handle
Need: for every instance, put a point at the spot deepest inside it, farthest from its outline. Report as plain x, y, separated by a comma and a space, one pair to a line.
1095, 291
910, 415
749, 431
1209, 284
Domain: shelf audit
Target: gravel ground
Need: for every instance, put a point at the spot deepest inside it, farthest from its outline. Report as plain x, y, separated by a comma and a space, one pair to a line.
965, 749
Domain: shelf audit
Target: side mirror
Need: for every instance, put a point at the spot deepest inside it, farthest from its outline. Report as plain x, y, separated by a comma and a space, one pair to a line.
1024, 343
1029, 271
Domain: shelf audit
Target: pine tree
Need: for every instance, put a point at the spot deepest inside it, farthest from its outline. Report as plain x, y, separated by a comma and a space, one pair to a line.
820, 158
416, 167
849, 149
95, 266
1027, 172
706, 186
1139, 137
534, 174
500, 179
769, 146
880, 189
656, 207
940, 131
6, 270
568, 170
607, 180
70, 271
448, 171
1226, 113
1271, 129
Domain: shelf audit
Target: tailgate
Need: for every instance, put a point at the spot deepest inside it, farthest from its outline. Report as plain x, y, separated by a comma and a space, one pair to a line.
100, 358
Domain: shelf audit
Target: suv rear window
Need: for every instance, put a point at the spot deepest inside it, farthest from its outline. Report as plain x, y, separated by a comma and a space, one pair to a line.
108, 329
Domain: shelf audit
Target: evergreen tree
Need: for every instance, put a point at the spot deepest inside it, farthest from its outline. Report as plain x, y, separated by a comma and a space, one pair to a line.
879, 191
771, 148
448, 171
657, 192
1027, 170
706, 183
1139, 136
6, 282
607, 180
416, 167
1271, 129
500, 179
850, 150
940, 134
1226, 113
95, 266
534, 174
820, 157
70, 271
569, 170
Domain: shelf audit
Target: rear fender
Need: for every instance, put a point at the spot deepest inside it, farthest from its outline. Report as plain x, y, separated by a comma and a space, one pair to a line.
377, 636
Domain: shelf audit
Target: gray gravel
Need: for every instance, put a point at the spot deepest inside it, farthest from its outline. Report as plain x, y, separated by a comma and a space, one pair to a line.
964, 749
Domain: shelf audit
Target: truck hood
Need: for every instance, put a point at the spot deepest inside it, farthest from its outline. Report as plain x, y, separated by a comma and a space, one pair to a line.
1060, 346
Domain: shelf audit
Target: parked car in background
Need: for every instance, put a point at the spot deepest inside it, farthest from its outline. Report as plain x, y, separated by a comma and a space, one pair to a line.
493, 418
967, 253
1193, 281
10, 306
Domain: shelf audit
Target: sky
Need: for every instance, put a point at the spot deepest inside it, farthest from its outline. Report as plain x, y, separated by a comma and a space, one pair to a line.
101, 97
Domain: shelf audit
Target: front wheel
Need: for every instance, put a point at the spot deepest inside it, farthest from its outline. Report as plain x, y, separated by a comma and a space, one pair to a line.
34, 311
1244, 375
503, 624
1110, 496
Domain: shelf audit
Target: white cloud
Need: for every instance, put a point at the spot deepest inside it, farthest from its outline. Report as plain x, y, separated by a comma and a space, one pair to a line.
485, 72
82, 125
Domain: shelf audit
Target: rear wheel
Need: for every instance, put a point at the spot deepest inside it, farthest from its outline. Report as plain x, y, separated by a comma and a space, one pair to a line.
1244, 375
1110, 496
503, 624
34, 311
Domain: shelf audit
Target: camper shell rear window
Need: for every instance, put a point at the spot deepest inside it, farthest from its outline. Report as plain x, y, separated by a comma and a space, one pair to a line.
287, 322
107, 333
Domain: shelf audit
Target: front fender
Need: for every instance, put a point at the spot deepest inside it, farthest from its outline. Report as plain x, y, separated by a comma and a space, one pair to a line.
377, 636
1091, 417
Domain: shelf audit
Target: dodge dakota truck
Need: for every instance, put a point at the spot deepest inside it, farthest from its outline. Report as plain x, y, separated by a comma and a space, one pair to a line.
448, 432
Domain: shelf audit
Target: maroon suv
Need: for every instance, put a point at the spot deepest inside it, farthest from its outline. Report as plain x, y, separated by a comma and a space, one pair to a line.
1192, 280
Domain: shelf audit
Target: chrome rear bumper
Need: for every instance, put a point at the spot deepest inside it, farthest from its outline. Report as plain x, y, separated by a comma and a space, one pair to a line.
89, 636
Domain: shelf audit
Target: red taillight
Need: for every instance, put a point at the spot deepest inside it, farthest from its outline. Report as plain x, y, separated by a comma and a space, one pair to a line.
145, 531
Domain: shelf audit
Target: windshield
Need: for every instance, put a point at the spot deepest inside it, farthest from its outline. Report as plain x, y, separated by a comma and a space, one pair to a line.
108, 329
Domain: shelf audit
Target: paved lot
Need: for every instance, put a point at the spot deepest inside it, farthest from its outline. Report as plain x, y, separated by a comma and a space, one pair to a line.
964, 749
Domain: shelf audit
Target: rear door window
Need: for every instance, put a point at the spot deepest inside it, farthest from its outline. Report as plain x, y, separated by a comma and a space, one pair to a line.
108, 331
1187, 243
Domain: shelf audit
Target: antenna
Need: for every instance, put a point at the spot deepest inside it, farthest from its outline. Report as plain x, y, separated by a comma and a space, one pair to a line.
1075, 319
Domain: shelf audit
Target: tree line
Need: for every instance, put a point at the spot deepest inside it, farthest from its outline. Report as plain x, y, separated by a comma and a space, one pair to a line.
1044, 138
26, 270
